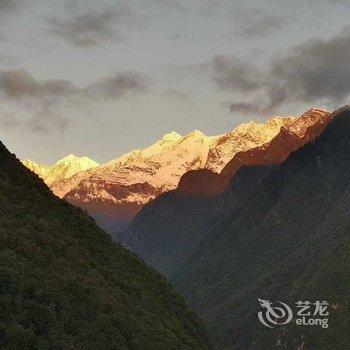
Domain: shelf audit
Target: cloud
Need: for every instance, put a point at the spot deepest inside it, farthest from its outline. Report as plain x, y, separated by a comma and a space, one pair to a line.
41, 122
316, 72
119, 85
180, 38
46, 120
8, 5
20, 84
178, 96
170, 5
317, 69
248, 107
90, 28
232, 74
44, 102
258, 25
9, 120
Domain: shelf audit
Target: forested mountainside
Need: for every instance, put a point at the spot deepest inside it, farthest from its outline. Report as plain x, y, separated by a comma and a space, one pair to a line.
166, 231
65, 285
290, 242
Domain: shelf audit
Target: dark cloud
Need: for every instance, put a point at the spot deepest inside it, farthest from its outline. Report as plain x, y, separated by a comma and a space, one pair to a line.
258, 25
317, 69
316, 72
249, 107
119, 85
44, 101
7, 5
232, 74
90, 28
20, 84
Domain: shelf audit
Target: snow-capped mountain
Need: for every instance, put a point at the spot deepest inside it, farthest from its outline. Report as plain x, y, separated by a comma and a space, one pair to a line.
244, 137
292, 134
63, 169
115, 191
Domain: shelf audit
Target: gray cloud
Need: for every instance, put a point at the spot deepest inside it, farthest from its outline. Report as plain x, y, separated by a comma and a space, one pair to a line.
44, 101
232, 74
20, 84
178, 38
8, 5
170, 5
317, 71
9, 120
42, 121
249, 107
119, 85
90, 28
258, 25
45, 120
178, 96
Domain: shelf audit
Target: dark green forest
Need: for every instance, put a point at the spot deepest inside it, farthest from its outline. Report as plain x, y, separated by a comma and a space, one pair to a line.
65, 285
167, 230
291, 241
277, 233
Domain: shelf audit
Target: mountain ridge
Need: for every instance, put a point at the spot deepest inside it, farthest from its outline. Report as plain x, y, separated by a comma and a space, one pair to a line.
166, 231
289, 242
115, 191
292, 134
65, 285
62, 169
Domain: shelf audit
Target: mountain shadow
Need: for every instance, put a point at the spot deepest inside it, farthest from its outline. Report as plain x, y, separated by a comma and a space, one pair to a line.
65, 285
290, 242
167, 231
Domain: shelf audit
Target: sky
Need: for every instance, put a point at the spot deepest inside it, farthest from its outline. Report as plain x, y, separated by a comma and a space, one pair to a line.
101, 78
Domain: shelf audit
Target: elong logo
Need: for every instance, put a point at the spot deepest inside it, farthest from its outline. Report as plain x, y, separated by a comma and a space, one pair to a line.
279, 313
274, 315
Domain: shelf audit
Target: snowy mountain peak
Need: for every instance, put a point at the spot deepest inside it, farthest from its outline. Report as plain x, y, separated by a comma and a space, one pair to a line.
171, 136
85, 162
122, 186
68, 158
195, 133
62, 169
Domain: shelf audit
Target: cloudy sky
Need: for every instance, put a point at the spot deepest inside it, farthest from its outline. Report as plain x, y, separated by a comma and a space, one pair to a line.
100, 78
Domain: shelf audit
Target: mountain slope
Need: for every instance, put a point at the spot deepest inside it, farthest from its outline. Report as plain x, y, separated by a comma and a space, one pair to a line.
293, 134
63, 169
165, 232
290, 242
114, 192
244, 137
170, 228
64, 284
